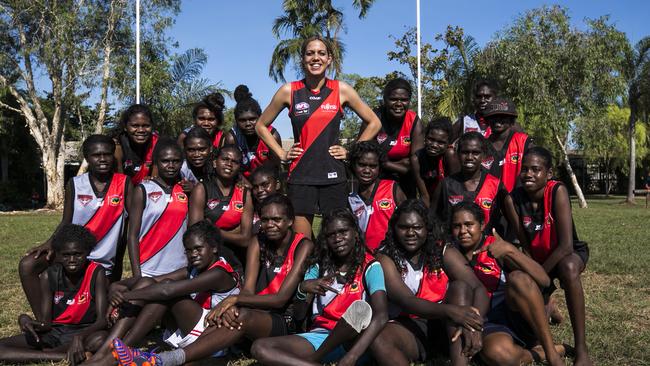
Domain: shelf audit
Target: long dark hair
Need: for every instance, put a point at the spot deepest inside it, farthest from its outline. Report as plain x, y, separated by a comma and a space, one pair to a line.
323, 256
432, 248
267, 255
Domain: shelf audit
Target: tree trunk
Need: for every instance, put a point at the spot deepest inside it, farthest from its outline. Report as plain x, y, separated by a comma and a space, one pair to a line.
632, 141
582, 202
53, 167
607, 182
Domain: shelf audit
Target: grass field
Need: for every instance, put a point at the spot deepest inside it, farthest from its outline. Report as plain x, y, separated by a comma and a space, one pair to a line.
617, 280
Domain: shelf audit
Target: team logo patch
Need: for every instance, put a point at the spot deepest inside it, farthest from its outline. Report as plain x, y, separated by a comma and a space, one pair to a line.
454, 200
212, 204
487, 162
406, 140
301, 108
181, 197
514, 158
83, 298
58, 295
486, 269
155, 196
381, 137
527, 220
238, 206
486, 203
354, 287
114, 200
264, 154
384, 204
328, 107
84, 199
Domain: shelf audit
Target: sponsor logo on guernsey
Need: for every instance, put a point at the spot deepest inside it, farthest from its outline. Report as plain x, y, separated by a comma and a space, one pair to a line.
212, 204
301, 108
84, 199
155, 196
328, 107
470, 129
406, 140
454, 200
332, 175
487, 162
181, 197
354, 287
527, 220
314, 97
384, 204
238, 206
83, 298
514, 158
486, 203
381, 137
359, 211
70, 302
393, 143
58, 295
114, 200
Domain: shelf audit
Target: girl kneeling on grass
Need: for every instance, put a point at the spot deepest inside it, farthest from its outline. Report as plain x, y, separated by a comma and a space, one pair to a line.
276, 264
540, 214
342, 281
73, 304
434, 295
516, 323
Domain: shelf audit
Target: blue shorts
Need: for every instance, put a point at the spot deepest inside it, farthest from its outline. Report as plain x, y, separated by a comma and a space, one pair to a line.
316, 337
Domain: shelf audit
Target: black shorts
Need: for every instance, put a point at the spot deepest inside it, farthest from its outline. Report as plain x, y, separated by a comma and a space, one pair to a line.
281, 324
430, 336
501, 319
308, 200
59, 335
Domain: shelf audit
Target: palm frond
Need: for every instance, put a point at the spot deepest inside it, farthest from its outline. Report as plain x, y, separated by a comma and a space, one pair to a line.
188, 65
363, 6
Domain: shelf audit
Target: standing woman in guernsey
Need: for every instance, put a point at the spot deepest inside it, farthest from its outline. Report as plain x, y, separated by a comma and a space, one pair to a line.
400, 136
135, 143
317, 176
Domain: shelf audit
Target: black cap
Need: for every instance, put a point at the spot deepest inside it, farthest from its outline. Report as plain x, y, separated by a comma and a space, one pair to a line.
501, 106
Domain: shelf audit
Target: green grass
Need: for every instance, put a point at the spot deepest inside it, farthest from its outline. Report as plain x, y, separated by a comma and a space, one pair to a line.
617, 279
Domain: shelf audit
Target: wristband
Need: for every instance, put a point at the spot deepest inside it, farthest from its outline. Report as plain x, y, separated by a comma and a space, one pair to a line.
299, 294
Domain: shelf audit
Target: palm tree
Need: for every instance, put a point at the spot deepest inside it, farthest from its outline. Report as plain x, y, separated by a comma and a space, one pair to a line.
303, 19
637, 74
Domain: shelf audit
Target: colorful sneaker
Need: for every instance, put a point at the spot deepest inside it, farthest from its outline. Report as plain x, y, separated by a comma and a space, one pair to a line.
146, 359
123, 353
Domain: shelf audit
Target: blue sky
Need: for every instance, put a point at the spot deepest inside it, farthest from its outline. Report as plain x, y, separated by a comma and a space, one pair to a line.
237, 37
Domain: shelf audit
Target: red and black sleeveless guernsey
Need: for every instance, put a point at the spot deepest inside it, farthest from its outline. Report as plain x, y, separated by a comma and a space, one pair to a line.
397, 144
253, 156
133, 165
432, 170
490, 272
424, 283
330, 308
539, 225
224, 212
506, 164
475, 122
216, 140
210, 299
316, 120
102, 213
272, 275
73, 306
164, 221
373, 215
454, 192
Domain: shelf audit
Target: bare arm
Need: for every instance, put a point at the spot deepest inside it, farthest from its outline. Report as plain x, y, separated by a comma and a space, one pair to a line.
197, 204
399, 195
457, 268
350, 98
252, 267
450, 160
281, 100
135, 221
564, 228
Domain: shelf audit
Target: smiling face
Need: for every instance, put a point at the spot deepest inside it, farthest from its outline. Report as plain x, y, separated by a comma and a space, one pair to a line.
275, 223
410, 232
466, 229
482, 97
207, 121
200, 254
470, 155
246, 122
197, 151
397, 103
316, 58
72, 257
169, 163
366, 169
227, 163
534, 174
341, 237
139, 128
263, 186
100, 159
435, 142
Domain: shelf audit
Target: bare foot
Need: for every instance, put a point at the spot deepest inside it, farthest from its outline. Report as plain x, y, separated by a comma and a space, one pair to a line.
582, 359
556, 359
553, 312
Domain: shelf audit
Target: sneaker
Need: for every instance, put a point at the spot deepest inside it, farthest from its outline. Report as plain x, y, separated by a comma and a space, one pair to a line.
124, 354
358, 315
146, 359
